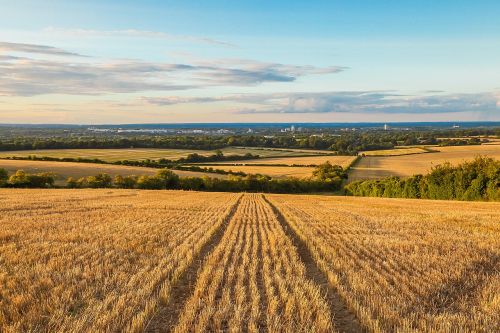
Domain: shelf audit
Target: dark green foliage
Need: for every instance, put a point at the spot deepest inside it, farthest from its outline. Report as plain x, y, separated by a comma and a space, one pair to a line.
329, 172
157, 164
342, 142
101, 180
23, 179
328, 178
4, 175
475, 180
125, 182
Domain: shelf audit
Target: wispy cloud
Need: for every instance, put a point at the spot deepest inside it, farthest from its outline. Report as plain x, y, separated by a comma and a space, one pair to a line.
27, 76
134, 33
349, 102
38, 49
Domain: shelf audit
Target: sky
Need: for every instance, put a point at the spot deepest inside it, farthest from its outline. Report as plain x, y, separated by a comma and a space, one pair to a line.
103, 62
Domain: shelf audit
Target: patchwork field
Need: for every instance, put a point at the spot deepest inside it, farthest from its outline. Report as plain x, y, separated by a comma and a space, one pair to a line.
63, 170
407, 165
343, 161
135, 154
394, 152
273, 171
153, 261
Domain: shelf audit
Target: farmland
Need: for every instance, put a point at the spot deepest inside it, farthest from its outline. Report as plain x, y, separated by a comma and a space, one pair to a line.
272, 171
374, 167
394, 152
136, 154
281, 167
131, 260
343, 161
63, 170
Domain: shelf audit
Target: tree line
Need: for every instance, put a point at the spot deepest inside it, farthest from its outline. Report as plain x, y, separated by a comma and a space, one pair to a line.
326, 178
475, 180
158, 164
340, 142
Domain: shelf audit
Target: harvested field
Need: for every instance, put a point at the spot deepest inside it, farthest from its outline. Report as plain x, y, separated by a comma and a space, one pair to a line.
343, 161
408, 165
108, 155
273, 171
394, 152
405, 265
63, 170
87, 261
159, 261
135, 154
284, 152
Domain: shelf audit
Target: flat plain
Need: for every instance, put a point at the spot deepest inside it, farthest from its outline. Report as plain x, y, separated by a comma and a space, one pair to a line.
375, 167
159, 261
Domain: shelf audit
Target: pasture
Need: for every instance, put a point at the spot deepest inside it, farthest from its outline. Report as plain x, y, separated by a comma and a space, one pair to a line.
376, 167
151, 261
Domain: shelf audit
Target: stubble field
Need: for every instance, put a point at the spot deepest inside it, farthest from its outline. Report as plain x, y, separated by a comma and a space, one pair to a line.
154, 261
375, 167
137, 154
63, 170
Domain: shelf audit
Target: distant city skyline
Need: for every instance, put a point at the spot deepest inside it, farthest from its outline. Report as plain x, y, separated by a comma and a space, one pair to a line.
118, 62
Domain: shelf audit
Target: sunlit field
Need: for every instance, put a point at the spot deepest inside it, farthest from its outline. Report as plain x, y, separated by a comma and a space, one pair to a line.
394, 152
408, 165
136, 154
134, 260
343, 161
63, 170
273, 171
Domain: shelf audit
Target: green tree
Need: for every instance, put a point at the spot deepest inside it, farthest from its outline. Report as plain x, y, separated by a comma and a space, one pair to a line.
169, 179
101, 180
150, 183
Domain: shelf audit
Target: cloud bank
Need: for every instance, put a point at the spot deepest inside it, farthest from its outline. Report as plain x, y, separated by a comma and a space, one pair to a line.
28, 76
348, 102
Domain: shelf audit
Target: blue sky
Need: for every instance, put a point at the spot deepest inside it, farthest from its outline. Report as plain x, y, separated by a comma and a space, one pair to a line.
233, 61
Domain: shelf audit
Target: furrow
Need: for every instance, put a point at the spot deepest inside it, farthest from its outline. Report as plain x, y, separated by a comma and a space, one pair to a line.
343, 318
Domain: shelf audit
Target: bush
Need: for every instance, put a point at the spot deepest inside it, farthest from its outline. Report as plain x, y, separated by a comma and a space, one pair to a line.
23, 179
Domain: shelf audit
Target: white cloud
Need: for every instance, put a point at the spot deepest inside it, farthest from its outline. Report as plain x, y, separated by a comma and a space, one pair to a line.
25, 76
349, 102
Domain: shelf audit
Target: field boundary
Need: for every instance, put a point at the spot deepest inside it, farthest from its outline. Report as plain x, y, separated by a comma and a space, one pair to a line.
166, 316
344, 320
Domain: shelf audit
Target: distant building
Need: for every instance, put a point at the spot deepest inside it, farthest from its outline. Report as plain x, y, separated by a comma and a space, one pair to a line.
386, 127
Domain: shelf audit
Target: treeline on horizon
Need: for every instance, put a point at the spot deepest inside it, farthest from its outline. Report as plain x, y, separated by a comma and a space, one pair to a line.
478, 180
326, 178
345, 143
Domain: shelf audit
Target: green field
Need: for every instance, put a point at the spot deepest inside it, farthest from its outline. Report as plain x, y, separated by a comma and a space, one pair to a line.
135, 154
